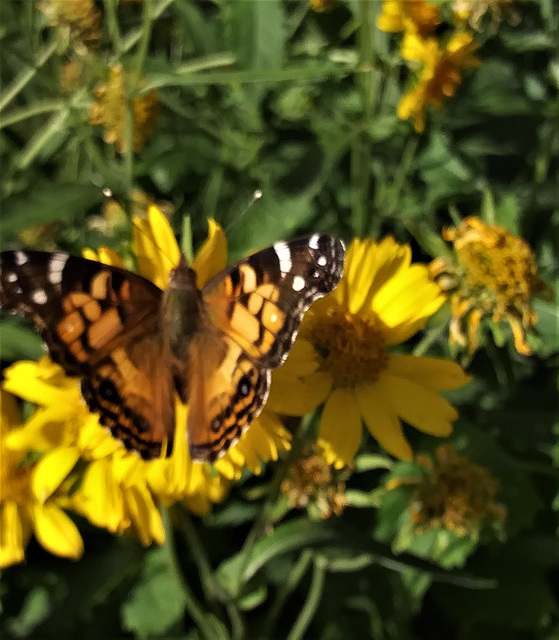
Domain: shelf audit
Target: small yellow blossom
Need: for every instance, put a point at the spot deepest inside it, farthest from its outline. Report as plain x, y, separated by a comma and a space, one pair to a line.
342, 356
494, 274
112, 110
79, 18
453, 493
312, 482
412, 16
21, 511
323, 5
440, 73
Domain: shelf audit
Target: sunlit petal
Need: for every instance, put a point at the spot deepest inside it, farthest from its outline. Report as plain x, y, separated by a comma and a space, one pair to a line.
340, 424
421, 407
56, 532
382, 421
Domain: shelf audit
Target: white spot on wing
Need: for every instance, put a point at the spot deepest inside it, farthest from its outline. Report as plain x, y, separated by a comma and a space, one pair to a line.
313, 241
56, 266
284, 256
11, 277
20, 258
298, 283
39, 296
322, 261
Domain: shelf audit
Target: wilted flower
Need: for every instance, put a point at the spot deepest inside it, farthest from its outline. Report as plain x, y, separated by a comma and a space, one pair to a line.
493, 274
312, 482
453, 493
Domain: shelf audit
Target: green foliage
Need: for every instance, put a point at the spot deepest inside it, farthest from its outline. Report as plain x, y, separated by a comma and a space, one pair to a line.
269, 95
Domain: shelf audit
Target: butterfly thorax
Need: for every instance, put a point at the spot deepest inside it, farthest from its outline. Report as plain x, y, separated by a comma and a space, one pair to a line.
182, 310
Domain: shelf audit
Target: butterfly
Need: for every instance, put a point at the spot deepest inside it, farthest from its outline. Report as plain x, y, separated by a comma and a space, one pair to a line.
134, 345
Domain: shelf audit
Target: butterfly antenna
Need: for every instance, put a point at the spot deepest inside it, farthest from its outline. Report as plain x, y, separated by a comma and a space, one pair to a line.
253, 200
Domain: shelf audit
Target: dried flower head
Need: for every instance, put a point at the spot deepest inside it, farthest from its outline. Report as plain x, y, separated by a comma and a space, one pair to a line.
112, 110
494, 274
454, 494
312, 481
80, 20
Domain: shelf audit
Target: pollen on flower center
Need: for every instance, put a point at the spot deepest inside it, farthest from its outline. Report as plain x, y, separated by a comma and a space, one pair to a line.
352, 348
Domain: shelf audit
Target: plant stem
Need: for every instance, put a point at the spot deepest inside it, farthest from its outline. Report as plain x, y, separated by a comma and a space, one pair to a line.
212, 588
191, 604
112, 25
264, 515
295, 576
147, 22
361, 149
311, 603
24, 78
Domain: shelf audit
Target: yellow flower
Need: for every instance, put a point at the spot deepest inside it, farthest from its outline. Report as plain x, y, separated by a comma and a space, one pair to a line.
440, 74
494, 274
453, 493
314, 483
79, 18
413, 16
112, 110
21, 512
341, 356
323, 5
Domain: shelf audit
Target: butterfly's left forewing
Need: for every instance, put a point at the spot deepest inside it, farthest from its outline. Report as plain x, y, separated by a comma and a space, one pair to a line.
256, 306
100, 323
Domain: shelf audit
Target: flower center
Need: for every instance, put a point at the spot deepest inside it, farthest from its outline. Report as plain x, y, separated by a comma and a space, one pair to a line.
352, 348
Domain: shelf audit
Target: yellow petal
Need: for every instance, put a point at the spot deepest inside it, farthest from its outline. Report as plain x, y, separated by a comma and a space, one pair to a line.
212, 257
145, 515
51, 470
12, 543
382, 421
294, 397
437, 374
99, 498
106, 255
419, 406
23, 379
56, 532
340, 424
406, 302
155, 247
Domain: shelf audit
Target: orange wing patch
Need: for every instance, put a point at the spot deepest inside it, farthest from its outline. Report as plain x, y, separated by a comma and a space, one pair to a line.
226, 391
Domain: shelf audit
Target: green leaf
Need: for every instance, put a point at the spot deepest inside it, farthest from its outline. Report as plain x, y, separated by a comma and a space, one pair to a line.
47, 202
289, 536
34, 610
255, 33
18, 342
157, 601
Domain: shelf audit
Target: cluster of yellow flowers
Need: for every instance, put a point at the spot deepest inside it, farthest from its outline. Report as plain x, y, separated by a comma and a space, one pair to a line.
61, 458
127, 116
436, 63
